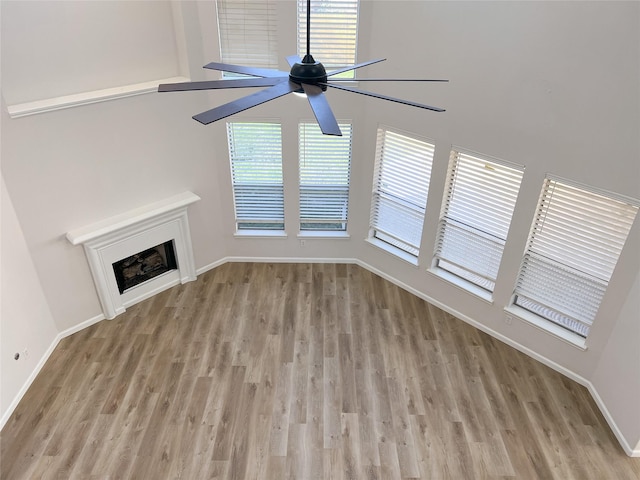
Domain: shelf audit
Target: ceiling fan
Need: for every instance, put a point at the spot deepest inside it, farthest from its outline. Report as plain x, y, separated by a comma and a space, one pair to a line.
306, 76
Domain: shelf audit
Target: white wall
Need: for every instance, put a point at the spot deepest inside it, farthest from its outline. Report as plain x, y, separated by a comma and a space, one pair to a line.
552, 86
68, 47
616, 378
549, 85
26, 322
69, 168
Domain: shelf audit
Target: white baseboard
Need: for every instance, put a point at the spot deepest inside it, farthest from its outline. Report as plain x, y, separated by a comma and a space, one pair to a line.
629, 450
80, 326
45, 356
32, 376
211, 266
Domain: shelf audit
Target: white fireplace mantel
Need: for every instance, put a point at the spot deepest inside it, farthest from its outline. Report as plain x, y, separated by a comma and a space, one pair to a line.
121, 236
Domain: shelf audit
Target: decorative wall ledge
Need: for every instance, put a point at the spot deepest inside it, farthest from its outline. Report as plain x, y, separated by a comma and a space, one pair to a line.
86, 98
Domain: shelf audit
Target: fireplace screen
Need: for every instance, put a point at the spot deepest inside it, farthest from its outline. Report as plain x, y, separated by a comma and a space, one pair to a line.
144, 266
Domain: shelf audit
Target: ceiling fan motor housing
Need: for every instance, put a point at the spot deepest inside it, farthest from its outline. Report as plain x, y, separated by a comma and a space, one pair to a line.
309, 72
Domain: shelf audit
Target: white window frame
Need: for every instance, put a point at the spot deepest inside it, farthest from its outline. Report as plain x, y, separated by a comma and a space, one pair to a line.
400, 189
324, 179
258, 195
478, 203
334, 41
248, 33
576, 238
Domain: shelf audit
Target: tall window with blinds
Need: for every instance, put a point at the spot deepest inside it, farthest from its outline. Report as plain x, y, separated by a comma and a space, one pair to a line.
478, 204
400, 188
255, 150
574, 245
325, 165
248, 32
334, 32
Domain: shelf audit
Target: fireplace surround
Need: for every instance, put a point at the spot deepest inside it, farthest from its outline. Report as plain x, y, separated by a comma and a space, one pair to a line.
128, 241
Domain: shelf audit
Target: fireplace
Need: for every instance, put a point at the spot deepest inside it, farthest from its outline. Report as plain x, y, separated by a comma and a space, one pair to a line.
143, 266
139, 253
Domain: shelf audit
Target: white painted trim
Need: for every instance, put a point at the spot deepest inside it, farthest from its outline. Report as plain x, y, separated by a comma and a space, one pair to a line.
393, 251
550, 363
260, 234
16, 400
30, 379
118, 237
321, 234
85, 98
290, 260
461, 284
527, 351
547, 326
80, 326
212, 265
628, 449
132, 217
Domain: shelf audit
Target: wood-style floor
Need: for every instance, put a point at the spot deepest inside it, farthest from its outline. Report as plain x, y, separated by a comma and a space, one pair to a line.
277, 371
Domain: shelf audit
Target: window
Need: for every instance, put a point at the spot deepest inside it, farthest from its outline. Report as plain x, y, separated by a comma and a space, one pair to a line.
478, 203
325, 163
255, 151
400, 188
334, 27
574, 245
248, 33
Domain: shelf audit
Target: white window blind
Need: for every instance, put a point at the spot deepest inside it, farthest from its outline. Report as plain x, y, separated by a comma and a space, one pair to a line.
334, 28
478, 204
255, 150
574, 245
325, 164
248, 33
400, 188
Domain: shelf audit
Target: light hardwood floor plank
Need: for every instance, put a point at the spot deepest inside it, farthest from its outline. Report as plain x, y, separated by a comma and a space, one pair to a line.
301, 371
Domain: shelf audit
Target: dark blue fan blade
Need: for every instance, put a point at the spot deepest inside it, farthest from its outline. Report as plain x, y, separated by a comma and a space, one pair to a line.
213, 84
353, 67
383, 97
256, 72
245, 103
322, 110
385, 80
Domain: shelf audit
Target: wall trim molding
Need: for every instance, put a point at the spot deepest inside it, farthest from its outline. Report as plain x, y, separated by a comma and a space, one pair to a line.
45, 356
628, 449
86, 98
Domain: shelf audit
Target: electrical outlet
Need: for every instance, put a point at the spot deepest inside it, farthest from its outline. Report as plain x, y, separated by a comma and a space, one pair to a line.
303, 243
508, 319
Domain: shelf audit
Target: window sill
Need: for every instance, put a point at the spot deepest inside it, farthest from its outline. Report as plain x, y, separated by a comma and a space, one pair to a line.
462, 284
547, 326
260, 234
86, 98
324, 234
395, 251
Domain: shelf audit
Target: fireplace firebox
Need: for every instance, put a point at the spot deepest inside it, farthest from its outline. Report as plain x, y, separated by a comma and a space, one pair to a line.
144, 266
